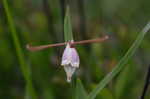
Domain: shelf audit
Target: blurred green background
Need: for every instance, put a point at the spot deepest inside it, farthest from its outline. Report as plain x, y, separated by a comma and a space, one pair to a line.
41, 22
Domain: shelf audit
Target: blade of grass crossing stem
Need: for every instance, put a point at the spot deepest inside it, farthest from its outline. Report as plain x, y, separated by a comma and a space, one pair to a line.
24, 68
67, 26
121, 63
80, 91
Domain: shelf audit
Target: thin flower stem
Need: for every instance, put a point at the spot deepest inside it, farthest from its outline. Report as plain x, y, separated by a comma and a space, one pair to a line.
38, 48
91, 41
147, 82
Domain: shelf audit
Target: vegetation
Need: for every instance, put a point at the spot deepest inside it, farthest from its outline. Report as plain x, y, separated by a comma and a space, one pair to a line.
114, 69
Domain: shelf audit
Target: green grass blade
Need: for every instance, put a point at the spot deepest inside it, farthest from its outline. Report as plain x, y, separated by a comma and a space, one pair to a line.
80, 91
24, 68
67, 26
121, 63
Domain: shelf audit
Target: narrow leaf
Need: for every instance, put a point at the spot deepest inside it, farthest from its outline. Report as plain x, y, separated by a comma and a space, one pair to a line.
121, 63
67, 26
23, 66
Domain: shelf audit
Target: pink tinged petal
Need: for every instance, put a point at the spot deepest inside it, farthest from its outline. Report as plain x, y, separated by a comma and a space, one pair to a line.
70, 56
69, 71
74, 58
70, 61
66, 55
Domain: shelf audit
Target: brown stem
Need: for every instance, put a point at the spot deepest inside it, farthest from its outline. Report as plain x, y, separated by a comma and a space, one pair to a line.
37, 48
91, 41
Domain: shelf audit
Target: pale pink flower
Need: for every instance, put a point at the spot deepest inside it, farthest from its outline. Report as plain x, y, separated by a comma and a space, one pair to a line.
70, 61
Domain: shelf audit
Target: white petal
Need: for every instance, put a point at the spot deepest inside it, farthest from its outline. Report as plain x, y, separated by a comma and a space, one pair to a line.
74, 58
70, 56
66, 58
69, 72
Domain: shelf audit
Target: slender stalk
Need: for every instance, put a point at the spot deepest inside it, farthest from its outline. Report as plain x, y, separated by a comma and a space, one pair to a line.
91, 41
37, 48
48, 12
23, 65
82, 18
62, 8
82, 25
147, 82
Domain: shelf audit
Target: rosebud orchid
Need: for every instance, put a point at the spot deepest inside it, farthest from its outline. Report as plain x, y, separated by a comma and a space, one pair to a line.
70, 58
70, 61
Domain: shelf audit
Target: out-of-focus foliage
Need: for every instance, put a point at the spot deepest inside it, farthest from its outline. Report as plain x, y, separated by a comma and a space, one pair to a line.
121, 64
41, 22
